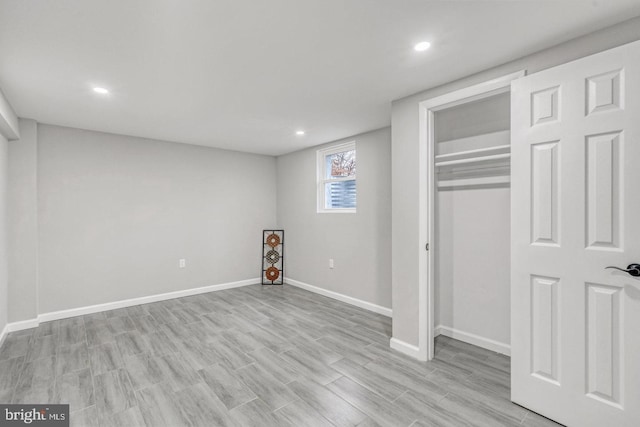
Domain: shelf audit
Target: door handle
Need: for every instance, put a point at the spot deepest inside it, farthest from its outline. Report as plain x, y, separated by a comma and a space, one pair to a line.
632, 269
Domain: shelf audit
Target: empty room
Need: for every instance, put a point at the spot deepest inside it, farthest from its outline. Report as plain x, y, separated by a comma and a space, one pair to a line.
323, 213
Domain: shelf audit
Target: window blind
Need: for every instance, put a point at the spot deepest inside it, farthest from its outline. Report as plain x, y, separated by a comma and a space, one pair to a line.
341, 194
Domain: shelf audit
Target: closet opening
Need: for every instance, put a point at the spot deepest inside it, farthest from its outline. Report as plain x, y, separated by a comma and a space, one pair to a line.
465, 217
472, 222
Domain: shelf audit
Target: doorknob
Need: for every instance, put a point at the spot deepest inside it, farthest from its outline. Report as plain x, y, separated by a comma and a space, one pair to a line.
632, 269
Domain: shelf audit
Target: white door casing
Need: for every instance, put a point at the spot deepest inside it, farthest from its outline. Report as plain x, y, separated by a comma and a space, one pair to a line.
575, 180
427, 184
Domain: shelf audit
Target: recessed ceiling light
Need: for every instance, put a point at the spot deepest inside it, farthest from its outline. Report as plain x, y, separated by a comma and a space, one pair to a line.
299, 132
422, 46
101, 90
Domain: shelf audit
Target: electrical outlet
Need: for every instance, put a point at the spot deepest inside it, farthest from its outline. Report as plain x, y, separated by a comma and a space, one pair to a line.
182, 263
330, 262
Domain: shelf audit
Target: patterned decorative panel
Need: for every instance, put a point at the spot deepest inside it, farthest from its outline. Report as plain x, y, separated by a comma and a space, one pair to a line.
603, 190
544, 328
272, 257
604, 92
604, 353
545, 106
544, 193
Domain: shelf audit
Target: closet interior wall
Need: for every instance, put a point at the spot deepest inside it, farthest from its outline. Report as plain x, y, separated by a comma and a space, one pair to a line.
472, 259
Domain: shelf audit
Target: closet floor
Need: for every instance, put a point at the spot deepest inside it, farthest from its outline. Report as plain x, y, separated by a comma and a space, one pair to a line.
263, 356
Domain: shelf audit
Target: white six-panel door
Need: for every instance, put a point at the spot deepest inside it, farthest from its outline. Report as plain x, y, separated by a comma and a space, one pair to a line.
575, 337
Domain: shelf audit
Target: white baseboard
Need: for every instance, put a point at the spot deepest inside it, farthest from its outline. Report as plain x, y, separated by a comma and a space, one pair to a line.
80, 311
340, 297
3, 333
474, 339
405, 348
21, 325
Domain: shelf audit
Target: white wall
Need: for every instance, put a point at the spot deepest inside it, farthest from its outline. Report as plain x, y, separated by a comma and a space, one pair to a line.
474, 118
473, 259
115, 213
23, 220
4, 302
406, 246
359, 243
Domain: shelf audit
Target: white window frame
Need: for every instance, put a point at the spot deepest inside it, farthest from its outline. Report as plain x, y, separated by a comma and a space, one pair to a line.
321, 174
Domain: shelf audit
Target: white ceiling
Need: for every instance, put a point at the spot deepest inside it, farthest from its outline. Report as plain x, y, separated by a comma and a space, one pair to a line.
246, 74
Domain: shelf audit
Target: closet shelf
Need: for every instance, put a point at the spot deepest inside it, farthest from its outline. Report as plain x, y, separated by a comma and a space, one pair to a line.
474, 156
476, 159
496, 149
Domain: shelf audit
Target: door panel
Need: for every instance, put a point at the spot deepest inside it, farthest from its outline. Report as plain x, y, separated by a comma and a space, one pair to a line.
604, 354
544, 197
575, 327
603, 190
544, 328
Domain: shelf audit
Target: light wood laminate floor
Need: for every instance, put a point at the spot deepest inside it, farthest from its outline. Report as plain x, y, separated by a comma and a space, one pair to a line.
252, 356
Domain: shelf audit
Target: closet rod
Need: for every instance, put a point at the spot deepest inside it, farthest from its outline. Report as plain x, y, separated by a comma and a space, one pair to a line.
471, 169
473, 182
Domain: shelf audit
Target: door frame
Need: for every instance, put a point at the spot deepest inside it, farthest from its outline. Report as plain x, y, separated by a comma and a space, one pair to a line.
426, 199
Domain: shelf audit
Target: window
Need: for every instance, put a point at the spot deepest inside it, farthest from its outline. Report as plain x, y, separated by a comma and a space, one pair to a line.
337, 178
